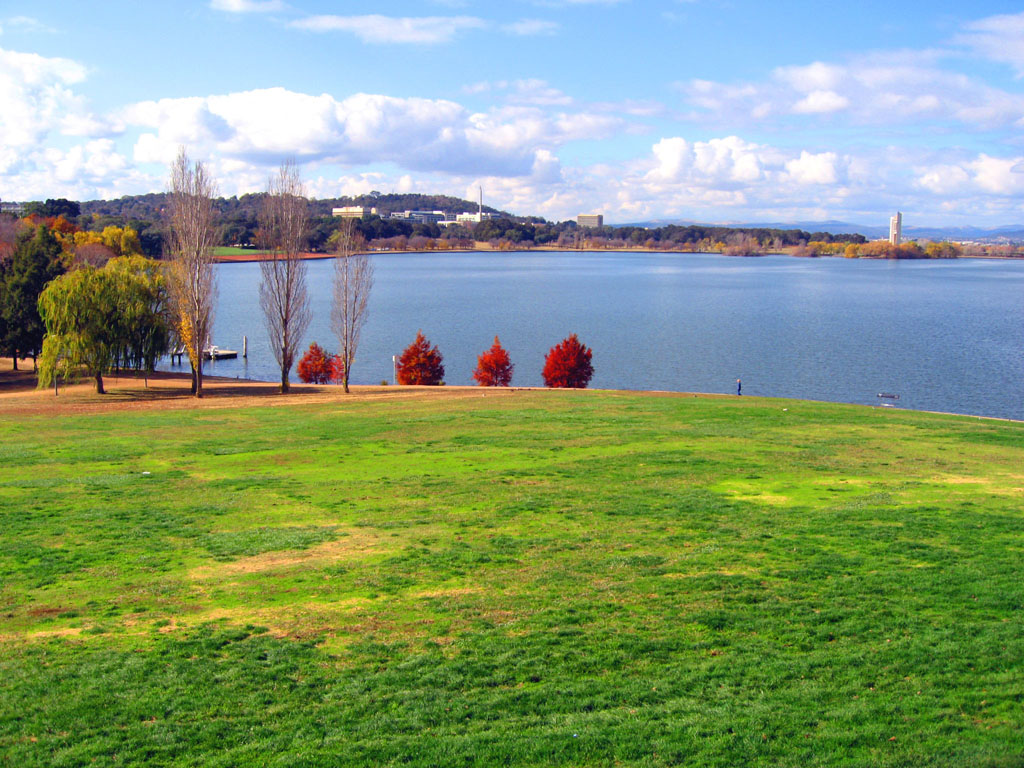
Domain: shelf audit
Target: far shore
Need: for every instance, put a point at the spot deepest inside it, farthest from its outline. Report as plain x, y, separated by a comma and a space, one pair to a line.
479, 247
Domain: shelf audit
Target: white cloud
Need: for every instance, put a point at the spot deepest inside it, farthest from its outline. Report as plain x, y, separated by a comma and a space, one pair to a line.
374, 28
723, 161
247, 6
25, 24
818, 76
429, 135
813, 168
37, 96
530, 27
999, 38
817, 102
879, 89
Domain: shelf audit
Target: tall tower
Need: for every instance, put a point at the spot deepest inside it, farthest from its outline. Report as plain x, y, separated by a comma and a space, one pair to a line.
480, 211
896, 229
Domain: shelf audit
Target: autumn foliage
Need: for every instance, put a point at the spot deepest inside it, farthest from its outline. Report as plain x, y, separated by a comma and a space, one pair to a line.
493, 368
319, 367
567, 364
420, 363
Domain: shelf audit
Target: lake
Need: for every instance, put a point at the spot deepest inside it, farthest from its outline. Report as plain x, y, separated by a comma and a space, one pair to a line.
943, 335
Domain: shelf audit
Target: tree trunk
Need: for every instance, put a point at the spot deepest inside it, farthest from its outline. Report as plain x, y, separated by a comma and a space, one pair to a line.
195, 381
199, 380
344, 380
99, 384
284, 381
14, 357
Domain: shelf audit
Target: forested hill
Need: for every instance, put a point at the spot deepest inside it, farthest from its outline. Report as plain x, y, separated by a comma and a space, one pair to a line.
150, 207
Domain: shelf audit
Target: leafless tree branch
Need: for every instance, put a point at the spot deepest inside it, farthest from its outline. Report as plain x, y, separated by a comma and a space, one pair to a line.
283, 295
353, 281
191, 278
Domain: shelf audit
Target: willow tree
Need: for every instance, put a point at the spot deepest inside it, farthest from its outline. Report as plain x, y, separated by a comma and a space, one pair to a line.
100, 319
145, 313
353, 281
191, 280
284, 299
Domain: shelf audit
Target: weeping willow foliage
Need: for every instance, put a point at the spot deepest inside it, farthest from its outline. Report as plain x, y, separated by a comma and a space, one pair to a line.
101, 319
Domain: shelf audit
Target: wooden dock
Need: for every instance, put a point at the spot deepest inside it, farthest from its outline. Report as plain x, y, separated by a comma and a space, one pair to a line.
216, 353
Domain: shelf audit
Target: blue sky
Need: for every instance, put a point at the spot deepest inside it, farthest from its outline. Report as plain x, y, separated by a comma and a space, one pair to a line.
702, 110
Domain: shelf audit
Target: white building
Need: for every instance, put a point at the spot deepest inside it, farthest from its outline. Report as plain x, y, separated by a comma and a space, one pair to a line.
590, 220
353, 212
426, 217
896, 229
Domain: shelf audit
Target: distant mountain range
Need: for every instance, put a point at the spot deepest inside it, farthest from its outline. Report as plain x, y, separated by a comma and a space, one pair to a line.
1012, 234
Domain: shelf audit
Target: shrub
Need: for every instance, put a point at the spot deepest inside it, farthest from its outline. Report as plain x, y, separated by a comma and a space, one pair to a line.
420, 363
318, 366
493, 368
567, 364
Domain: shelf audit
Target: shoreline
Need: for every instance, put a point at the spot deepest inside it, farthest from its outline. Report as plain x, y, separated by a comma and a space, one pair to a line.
169, 390
242, 258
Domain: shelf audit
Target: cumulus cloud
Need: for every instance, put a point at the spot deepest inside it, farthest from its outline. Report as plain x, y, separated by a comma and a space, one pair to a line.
880, 89
38, 98
811, 168
374, 28
821, 102
265, 126
718, 162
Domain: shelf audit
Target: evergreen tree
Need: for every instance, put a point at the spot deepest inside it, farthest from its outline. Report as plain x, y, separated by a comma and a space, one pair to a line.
35, 262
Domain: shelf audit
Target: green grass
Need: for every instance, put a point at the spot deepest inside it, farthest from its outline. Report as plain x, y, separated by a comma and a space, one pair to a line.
537, 579
232, 250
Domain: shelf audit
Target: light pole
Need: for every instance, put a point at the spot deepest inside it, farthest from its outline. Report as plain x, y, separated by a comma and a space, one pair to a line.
394, 363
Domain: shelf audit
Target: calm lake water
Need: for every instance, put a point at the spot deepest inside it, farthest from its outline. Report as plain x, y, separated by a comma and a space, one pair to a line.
944, 335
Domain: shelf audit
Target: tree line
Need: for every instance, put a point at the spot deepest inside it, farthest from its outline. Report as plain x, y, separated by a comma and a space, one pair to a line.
79, 301
566, 365
238, 225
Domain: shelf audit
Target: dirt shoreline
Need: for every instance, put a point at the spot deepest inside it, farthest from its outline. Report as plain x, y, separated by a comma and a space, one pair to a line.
128, 391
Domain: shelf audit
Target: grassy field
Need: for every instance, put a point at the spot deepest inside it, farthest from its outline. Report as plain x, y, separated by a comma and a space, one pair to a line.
532, 578
232, 250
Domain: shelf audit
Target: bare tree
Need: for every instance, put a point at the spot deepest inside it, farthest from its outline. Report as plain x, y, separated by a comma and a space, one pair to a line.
192, 285
283, 295
353, 281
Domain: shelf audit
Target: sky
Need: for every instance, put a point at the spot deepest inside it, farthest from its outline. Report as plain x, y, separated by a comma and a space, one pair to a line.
719, 111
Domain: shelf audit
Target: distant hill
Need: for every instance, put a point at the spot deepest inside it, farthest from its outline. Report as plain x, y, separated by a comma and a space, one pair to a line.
150, 207
1011, 233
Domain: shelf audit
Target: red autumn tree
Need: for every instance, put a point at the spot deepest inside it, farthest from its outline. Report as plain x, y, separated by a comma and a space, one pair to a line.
493, 368
318, 366
420, 363
567, 364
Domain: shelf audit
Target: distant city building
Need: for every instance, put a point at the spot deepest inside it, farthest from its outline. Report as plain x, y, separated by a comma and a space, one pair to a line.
353, 212
896, 229
471, 218
425, 217
590, 220
15, 209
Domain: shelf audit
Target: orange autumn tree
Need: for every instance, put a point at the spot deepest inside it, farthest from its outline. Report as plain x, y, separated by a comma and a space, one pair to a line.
493, 367
567, 364
420, 363
318, 366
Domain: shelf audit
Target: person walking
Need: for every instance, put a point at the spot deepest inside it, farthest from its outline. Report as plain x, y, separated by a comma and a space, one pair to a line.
739, 387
